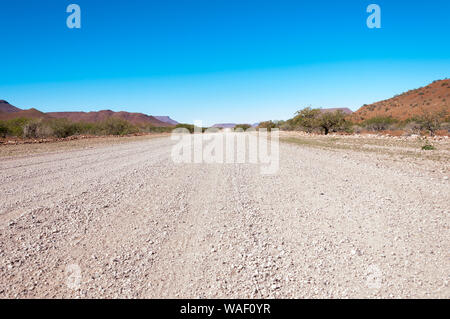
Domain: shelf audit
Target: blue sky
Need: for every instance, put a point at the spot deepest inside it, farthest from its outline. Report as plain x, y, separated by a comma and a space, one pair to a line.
217, 60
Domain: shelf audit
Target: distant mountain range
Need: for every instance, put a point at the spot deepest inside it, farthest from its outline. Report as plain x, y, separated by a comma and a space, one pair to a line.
344, 110
166, 119
225, 125
8, 108
92, 117
433, 97
8, 111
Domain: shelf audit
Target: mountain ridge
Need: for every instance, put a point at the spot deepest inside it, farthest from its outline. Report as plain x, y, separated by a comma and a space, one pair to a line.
96, 116
166, 119
5, 107
434, 97
8, 112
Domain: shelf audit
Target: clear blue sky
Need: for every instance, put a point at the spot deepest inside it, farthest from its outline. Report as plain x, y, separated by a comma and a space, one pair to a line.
218, 60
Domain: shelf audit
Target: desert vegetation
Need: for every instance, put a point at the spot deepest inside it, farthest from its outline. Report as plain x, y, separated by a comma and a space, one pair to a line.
380, 123
422, 111
61, 128
269, 125
120, 212
316, 121
243, 126
324, 122
432, 121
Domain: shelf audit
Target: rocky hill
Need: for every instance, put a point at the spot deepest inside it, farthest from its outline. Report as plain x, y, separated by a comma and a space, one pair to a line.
434, 98
92, 117
5, 107
8, 112
30, 114
166, 119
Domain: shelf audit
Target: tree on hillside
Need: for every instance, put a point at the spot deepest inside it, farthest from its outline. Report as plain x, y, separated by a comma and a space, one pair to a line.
431, 121
243, 126
269, 125
307, 119
333, 122
310, 119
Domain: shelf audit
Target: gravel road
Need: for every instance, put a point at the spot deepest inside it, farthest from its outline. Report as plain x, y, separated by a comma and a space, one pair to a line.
123, 220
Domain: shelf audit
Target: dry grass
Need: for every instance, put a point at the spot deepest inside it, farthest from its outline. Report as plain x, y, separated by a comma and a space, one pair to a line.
391, 146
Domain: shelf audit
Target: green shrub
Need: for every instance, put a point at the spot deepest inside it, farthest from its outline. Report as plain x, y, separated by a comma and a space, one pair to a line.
310, 120
60, 128
243, 126
189, 127
116, 126
15, 126
431, 121
87, 128
411, 127
269, 125
334, 122
30, 129
286, 125
307, 119
428, 147
3, 129
379, 123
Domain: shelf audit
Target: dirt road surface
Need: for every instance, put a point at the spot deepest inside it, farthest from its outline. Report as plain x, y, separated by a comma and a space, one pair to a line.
123, 220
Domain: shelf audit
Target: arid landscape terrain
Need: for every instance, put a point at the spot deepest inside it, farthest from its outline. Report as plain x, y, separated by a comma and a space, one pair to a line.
8, 112
224, 158
359, 207
433, 98
346, 216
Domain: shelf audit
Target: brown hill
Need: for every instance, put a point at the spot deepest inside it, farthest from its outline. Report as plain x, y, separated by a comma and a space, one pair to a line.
8, 112
433, 97
91, 117
8, 108
29, 114
166, 119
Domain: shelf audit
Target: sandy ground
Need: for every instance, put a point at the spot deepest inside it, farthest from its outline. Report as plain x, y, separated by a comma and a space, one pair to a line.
123, 220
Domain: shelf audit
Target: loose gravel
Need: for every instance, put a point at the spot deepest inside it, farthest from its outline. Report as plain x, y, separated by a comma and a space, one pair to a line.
124, 221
